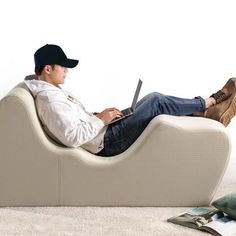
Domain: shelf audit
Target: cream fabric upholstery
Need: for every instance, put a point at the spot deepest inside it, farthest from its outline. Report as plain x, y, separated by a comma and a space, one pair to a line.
177, 161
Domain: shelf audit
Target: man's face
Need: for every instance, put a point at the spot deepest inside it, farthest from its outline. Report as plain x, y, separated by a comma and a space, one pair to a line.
56, 75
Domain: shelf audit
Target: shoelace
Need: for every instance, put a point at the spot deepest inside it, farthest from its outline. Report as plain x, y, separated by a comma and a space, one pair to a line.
219, 96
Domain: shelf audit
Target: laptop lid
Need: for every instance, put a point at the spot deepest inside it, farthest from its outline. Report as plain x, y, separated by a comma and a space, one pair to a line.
135, 99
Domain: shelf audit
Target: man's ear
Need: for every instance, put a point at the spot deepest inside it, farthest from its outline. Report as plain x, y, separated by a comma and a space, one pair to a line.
47, 69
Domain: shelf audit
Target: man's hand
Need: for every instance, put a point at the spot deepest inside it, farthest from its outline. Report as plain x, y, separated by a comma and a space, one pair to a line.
109, 114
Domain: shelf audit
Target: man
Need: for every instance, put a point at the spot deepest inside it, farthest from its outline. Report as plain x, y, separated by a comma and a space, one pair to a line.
68, 121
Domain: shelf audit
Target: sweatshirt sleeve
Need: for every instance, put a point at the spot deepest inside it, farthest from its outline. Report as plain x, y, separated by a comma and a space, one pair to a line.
73, 127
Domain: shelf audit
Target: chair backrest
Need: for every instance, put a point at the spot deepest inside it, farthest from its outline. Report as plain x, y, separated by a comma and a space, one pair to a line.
47, 132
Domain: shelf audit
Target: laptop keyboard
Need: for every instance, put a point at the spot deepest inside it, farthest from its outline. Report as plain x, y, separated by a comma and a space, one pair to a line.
126, 111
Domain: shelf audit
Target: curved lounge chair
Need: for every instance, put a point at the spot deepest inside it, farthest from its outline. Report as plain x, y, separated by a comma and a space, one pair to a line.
177, 161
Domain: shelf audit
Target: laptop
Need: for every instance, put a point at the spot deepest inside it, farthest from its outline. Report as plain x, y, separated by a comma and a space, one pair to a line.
129, 111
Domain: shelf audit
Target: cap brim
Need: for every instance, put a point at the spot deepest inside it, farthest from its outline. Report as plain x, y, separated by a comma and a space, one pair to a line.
69, 63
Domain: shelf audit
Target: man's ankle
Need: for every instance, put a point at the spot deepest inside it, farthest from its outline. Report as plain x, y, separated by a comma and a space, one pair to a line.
209, 102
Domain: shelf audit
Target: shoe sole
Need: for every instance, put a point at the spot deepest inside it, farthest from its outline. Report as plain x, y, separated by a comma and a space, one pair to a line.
229, 113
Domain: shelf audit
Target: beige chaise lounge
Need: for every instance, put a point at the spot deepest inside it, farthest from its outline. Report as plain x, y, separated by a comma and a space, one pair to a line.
177, 161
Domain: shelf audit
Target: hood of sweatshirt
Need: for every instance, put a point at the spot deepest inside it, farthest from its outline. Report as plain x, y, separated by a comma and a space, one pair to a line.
37, 86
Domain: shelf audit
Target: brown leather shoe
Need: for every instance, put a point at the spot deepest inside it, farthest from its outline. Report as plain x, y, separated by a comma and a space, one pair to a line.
225, 92
224, 111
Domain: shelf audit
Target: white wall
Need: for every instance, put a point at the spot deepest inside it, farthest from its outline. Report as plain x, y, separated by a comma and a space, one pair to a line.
184, 48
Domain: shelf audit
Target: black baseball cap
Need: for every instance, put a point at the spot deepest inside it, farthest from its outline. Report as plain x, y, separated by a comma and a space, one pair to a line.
51, 54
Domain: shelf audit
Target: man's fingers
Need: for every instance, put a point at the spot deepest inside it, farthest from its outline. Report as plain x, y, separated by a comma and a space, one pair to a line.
115, 113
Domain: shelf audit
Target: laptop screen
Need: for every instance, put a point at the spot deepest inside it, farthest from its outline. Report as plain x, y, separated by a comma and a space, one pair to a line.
135, 99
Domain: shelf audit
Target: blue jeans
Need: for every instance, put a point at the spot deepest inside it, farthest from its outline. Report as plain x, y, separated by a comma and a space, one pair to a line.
121, 134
